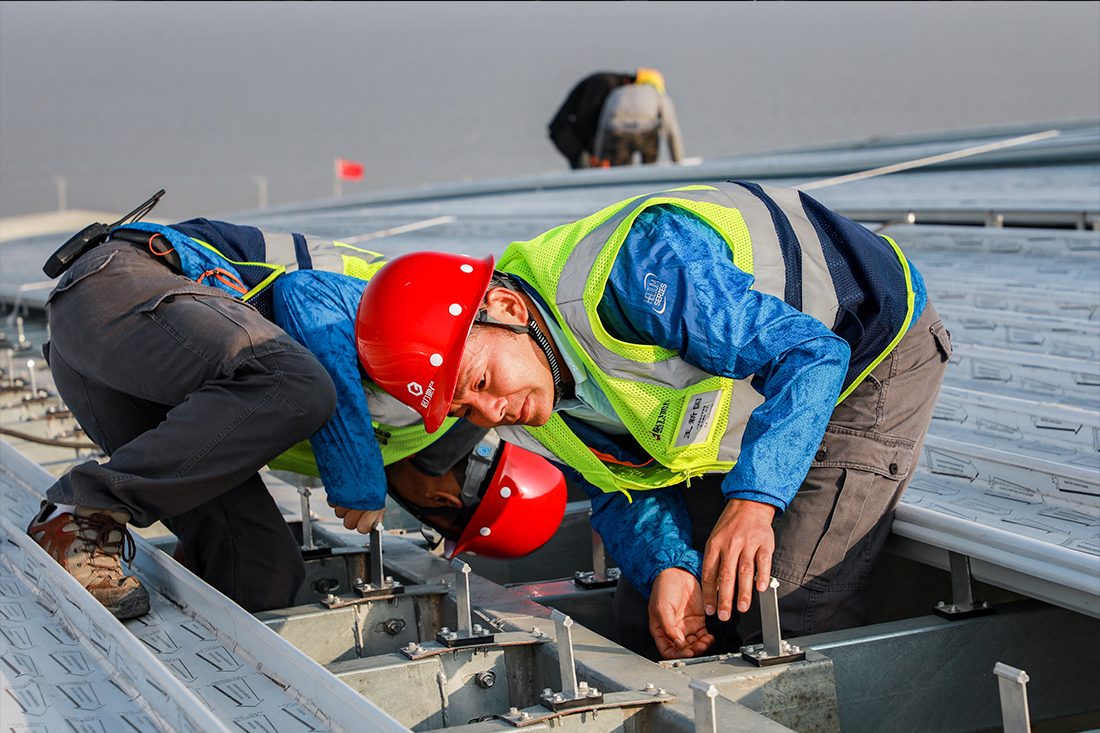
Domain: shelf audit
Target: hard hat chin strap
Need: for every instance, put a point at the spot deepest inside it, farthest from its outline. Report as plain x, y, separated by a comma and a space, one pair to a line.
477, 468
531, 329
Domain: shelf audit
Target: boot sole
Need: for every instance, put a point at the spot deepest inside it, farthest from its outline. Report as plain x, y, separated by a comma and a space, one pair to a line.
132, 606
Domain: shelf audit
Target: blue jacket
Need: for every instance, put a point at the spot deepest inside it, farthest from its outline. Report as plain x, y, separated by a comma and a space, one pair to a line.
716, 322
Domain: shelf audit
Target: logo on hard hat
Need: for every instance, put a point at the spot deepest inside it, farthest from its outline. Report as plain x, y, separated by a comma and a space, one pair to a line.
416, 389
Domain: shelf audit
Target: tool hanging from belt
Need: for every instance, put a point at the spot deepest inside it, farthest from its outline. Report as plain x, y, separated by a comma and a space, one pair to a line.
92, 236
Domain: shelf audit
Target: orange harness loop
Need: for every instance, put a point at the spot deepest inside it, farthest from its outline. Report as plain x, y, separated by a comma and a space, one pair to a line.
225, 277
159, 254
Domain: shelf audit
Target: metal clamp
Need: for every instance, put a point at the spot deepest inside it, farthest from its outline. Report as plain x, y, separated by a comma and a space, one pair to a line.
774, 650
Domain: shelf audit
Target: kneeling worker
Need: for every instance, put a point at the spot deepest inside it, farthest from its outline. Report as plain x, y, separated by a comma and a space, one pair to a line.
196, 354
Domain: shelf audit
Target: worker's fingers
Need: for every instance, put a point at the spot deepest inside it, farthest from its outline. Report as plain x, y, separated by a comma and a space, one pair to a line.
741, 540
732, 582
368, 519
763, 568
668, 641
699, 644
719, 579
676, 619
746, 571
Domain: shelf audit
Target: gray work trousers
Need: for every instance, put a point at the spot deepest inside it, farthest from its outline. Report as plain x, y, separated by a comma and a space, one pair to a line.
190, 392
828, 540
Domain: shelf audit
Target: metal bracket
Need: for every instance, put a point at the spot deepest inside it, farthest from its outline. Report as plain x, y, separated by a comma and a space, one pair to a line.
629, 698
590, 580
307, 519
303, 484
706, 720
466, 635
366, 593
774, 650
572, 695
381, 585
1012, 682
963, 604
600, 576
415, 651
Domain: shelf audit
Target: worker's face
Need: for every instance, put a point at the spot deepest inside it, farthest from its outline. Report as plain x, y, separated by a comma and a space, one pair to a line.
504, 378
428, 492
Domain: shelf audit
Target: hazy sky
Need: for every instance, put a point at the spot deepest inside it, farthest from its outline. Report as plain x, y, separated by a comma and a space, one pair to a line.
122, 98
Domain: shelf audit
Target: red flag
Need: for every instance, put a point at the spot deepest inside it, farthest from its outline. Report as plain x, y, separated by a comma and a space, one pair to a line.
349, 170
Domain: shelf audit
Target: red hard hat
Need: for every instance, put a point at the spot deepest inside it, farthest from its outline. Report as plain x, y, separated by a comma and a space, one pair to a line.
521, 509
412, 324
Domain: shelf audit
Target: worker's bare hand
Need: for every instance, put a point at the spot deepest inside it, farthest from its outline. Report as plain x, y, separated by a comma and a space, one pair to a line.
361, 520
740, 548
676, 618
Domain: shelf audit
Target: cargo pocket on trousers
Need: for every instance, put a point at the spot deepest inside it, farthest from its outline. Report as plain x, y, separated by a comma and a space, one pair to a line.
89, 264
943, 339
873, 468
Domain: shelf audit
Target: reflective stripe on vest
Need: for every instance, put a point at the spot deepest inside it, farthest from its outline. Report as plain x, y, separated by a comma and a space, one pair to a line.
282, 255
690, 421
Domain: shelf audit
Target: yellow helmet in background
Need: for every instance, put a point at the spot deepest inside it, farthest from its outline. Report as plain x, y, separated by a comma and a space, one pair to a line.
651, 76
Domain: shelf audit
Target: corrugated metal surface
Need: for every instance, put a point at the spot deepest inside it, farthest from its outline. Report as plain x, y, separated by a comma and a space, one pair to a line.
1010, 474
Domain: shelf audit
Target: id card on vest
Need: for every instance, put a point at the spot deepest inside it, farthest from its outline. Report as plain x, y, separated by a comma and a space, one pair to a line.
697, 418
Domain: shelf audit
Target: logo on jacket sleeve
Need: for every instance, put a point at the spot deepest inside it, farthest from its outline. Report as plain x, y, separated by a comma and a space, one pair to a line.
655, 293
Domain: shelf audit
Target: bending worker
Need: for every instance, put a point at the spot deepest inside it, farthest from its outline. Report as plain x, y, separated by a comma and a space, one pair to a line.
633, 118
573, 129
197, 353
740, 379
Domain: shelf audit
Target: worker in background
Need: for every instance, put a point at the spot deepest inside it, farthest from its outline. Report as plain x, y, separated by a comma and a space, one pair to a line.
633, 120
194, 355
573, 129
740, 378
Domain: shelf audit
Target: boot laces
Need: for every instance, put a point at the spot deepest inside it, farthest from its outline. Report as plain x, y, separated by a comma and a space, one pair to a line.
104, 525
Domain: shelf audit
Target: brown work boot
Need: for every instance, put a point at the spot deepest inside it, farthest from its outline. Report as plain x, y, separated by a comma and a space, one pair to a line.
88, 544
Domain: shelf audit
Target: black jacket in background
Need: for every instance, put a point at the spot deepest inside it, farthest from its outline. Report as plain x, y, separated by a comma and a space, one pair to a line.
573, 129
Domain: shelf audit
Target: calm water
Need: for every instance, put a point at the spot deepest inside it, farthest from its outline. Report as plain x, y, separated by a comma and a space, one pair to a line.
201, 98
